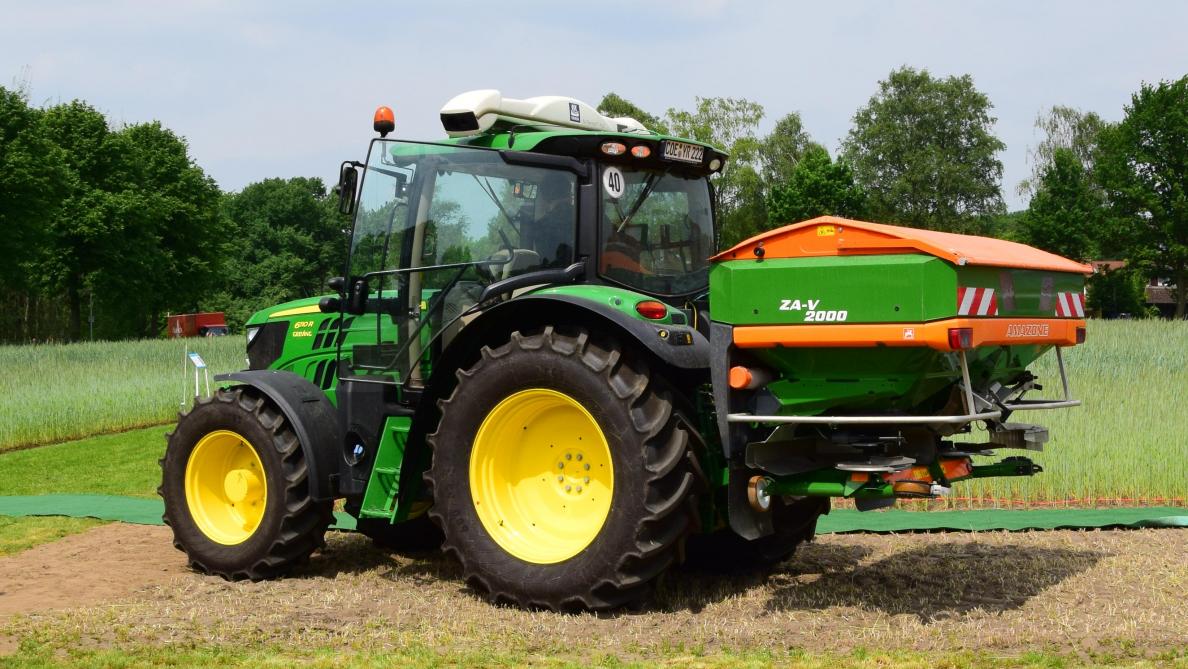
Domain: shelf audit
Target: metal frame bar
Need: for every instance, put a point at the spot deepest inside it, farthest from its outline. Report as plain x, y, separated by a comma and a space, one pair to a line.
969, 397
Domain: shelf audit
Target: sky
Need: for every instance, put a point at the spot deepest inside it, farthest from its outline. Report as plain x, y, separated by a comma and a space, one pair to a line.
281, 89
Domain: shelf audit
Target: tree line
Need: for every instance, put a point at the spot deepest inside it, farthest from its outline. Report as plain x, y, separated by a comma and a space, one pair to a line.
107, 228
922, 153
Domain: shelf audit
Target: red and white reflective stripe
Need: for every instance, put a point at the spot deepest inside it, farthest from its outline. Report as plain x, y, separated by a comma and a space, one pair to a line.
1070, 305
976, 302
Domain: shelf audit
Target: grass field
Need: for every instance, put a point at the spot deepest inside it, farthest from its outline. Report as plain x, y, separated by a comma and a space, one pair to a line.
51, 393
1127, 445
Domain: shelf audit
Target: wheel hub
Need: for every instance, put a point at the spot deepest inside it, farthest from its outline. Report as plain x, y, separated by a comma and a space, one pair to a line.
541, 477
225, 487
242, 485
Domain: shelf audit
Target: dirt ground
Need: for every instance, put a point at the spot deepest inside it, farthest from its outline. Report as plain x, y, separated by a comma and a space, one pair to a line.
1062, 591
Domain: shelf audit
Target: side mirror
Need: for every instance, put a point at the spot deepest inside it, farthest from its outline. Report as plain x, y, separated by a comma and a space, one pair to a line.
357, 300
348, 184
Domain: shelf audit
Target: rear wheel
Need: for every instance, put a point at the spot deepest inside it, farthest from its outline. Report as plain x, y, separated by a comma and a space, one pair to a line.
562, 476
236, 489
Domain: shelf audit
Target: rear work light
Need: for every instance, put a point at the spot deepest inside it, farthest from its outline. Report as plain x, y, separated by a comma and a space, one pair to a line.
651, 309
614, 148
1080, 335
960, 339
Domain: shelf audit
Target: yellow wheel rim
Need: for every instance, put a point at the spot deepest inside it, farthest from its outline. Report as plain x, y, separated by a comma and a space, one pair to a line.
225, 487
540, 476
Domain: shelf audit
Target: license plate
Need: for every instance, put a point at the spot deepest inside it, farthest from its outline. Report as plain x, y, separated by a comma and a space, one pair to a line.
685, 153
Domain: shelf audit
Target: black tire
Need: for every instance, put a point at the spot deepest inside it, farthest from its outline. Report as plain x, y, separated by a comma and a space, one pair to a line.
724, 551
653, 505
414, 536
292, 525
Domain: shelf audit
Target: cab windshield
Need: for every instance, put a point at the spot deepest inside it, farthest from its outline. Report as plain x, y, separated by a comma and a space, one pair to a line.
657, 231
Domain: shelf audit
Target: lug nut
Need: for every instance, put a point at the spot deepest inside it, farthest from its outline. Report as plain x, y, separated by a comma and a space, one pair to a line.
569, 456
560, 465
560, 479
567, 488
579, 457
579, 489
587, 466
586, 480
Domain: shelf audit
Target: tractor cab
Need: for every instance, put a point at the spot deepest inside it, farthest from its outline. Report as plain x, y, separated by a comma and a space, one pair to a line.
524, 195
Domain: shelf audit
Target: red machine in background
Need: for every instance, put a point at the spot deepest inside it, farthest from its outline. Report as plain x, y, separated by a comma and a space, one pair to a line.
208, 324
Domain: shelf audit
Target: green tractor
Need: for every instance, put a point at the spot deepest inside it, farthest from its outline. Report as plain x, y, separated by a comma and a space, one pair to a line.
536, 361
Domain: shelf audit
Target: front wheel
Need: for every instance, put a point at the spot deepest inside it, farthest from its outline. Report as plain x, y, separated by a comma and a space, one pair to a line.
236, 489
562, 475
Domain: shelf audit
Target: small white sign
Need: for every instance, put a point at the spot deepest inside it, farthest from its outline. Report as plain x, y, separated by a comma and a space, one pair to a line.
613, 182
909, 334
197, 360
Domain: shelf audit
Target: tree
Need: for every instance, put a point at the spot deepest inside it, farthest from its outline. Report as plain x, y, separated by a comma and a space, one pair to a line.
33, 180
730, 124
614, 106
287, 238
1143, 167
1064, 128
816, 186
136, 233
781, 150
1065, 214
924, 150
167, 251
85, 230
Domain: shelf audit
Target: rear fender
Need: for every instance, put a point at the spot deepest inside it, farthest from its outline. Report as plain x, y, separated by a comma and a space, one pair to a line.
313, 417
688, 361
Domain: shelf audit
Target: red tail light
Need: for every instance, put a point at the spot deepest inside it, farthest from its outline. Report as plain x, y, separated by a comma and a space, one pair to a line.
1080, 335
960, 338
652, 309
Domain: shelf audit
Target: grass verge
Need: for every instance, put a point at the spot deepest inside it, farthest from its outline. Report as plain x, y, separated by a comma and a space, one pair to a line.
18, 534
112, 464
33, 654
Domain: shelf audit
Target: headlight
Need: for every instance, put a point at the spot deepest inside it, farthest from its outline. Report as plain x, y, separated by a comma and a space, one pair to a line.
251, 334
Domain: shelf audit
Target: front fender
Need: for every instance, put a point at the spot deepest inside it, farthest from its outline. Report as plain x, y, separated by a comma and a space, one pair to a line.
313, 417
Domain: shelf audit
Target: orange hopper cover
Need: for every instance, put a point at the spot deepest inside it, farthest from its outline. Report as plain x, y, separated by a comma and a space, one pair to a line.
833, 236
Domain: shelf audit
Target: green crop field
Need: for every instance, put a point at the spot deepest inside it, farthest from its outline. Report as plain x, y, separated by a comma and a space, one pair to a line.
1125, 446
51, 393
1128, 444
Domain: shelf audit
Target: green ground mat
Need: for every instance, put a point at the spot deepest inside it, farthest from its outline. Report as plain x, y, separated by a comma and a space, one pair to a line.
138, 510
148, 512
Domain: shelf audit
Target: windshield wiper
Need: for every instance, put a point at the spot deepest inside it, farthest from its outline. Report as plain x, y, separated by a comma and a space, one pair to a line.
643, 195
485, 184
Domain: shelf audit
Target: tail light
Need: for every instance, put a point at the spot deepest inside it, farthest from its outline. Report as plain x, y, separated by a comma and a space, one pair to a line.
651, 309
960, 339
1080, 335
641, 151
